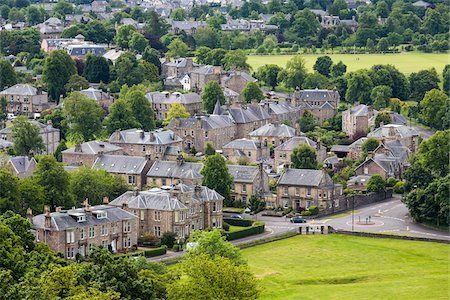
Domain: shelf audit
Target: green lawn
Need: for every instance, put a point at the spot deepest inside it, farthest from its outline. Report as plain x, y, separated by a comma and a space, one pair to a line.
405, 62
346, 267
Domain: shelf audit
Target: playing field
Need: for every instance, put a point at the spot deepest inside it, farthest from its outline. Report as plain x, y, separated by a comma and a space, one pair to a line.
346, 267
405, 62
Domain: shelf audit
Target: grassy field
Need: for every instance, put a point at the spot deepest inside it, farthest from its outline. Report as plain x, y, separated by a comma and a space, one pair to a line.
405, 62
346, 267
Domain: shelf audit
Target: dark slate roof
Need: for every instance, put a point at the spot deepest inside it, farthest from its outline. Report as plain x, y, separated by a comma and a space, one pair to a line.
96, 94
305, 177
68, 220
120, 164
156, 199
248, 114
276, 130
360, 110
243, 144
402, 130
208, 122
176, 97
317, 94
279, 107
293, 142
244, 75
42, 128
137, 136
340, 148
22, 163
245, 174
21, 89
94, 147
172, 169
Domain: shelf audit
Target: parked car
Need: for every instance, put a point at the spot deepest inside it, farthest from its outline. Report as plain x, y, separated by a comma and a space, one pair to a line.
247, 210
298, 219
236, 216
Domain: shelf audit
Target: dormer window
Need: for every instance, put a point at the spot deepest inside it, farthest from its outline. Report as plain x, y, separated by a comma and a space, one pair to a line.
81, 219
102, 215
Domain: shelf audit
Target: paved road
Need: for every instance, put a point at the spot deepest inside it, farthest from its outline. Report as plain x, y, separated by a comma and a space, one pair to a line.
391, 216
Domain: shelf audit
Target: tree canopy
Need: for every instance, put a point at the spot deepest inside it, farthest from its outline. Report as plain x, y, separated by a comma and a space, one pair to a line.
216, 176
26, 137
304, 157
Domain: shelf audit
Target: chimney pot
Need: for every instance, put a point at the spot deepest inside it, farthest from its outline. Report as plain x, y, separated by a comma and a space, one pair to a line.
105, 200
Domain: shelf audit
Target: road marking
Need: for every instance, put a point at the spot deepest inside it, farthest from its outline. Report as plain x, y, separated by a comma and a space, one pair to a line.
393, 218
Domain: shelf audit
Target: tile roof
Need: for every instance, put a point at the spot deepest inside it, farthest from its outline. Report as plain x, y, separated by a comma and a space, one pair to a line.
120, 164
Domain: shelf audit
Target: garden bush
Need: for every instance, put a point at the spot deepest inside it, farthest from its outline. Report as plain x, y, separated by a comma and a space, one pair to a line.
391, 181
314, 210
238, 222
305, 213
168, 239
226, 226
156, 251
399, 187
258, 227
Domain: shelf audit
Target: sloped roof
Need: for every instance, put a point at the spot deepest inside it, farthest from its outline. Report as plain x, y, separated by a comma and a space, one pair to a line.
276, 130
22, 164
293, 142
246, 174
172, 169
93, 147
21, 89
156, 199
359, 110
305, 177
176, 97
137, 136
316, 94
244, 143
42, 128
248, 114
393, 129
207, 122
120, 164
96, 94
61, 221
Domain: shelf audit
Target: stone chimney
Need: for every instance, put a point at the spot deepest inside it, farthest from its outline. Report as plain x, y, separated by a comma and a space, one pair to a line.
87, 207
105, 200
30, 215
197, 189
125, 205
135, 191
141, 133
48, 218
30, 154
152, 137
78, 147
370, 154
58, 209
180, 160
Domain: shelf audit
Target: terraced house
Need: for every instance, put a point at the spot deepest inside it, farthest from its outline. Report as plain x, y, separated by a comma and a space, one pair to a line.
76, 231
162, 102
24, 99
167, 173
179, 209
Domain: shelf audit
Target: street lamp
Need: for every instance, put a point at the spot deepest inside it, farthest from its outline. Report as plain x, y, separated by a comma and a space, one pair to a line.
353, 212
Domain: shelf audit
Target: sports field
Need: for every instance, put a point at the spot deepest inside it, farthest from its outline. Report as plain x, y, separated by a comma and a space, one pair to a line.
346, 267
405, 62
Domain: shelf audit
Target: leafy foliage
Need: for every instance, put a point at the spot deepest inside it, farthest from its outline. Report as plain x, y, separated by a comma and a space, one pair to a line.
26, 137
304, 157
216, 177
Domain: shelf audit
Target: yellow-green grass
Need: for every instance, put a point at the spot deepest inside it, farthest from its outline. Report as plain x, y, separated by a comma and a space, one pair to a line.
348, 267
406, 62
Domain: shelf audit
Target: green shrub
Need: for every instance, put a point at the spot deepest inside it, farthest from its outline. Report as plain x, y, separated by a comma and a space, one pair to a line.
391, 181
238, 222
175, 248
305, 213
258, 227
156, 251
168, 239
225, 226
314, 210
399, 187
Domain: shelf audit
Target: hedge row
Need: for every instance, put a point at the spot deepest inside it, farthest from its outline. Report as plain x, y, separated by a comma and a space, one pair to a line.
156, 251
238, 222
258, 227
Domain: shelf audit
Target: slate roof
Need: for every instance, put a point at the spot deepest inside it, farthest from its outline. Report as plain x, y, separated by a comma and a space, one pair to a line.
42, 128
248, 114
208, 122
136, 136
96, 94
402, 130
293, 142
305, 177
93, 147
244, 143
22, 164
21, 89
120, 164
172, 169
316, 95
156, 199
67, 219
279, 107
275, 130
188, 25
388, 163
201, 193
246, 174
5, 144
176, 97
359, 180
244, 75
360, 110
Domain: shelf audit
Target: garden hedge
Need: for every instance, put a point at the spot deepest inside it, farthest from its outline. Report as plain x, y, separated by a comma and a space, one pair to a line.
238, 222
258, 227
156, 251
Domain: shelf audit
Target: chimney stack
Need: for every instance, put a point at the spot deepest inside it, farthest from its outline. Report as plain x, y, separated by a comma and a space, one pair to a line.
30, 215
152, 137
105, 200
87, 207
180, 160
135, 191
78, 147
48, 218
125, 205
58, 209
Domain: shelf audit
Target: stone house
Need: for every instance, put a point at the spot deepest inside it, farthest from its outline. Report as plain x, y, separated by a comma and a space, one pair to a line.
49, 134
201, 75
177, 68
179, 209
76, 231
24, 99
273, 134
169, 173
382, 164
156, 144
281, 111
51, 28
236, 80
282, 153
302, 188
199, 130
103, 99
322, 104
85, 154
407, 136
189, 27
245, 150
248, 180
20, 166
133, 169
352, 151
246, 118
162, 102
356, 120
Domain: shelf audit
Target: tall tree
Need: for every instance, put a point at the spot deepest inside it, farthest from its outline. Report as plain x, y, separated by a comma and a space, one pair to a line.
236, 59
323, 65
269, 74
304, 157
26, 137
307, 122
84, 116
380, 96
177, 48
58, 67
338, 69
211, 95
7, 75
76, 83
295, 72
51, 175
177, 110
252, 92
216, 177
138, 42
124, 35
434, 109
359, 87
152, 56
140, 107
120, 117
96, 69
9, 191
433, 153
446, 78
422, 82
